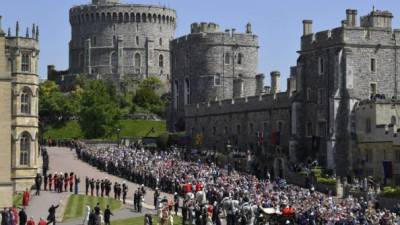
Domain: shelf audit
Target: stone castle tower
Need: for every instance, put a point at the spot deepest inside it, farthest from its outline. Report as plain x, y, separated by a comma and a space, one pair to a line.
209, 65
336, 69
19, 103
115, 41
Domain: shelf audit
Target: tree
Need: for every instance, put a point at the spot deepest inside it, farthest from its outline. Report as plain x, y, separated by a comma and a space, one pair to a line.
100, 113
152, 83
51, 102
145, 97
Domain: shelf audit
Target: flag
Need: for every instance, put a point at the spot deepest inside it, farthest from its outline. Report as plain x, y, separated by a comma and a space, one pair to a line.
387, 169
275, 138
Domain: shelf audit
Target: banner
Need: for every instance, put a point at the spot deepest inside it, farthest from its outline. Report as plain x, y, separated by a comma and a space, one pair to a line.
387, 169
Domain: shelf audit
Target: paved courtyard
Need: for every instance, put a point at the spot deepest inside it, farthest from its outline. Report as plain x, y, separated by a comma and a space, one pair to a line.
64, 160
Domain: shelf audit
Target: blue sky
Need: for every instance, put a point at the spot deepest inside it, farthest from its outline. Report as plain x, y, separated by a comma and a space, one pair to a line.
277, 23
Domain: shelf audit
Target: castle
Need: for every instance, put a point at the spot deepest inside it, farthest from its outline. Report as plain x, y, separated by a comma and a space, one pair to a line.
218, 96
19, 104
120, 43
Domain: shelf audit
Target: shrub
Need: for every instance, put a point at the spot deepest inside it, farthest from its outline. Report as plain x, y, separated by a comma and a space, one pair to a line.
391, 192
324, 180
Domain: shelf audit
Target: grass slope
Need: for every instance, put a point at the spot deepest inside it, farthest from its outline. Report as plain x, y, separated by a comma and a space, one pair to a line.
140, 221
76, 205
129, 128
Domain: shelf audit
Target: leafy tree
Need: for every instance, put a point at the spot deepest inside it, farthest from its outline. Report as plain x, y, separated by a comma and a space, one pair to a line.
145, 97
100, 113
51, 102
151, 83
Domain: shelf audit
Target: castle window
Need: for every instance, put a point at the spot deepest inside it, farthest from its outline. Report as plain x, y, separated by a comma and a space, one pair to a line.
238, 129
161, 61
217, 80
138, 60
94, 41
240, 59
308, 97
214, 130
373, 65
321, 66
138, 18
25, 62
225, 130
114, 40
144, 18
280, 126
25, 148
25, 102
372, 89
368, 126
160, 41
397, 156
227, 58
322, 129
251, 128
187, 92
176, 94
309, 129
137, 40
321, 96
114, 62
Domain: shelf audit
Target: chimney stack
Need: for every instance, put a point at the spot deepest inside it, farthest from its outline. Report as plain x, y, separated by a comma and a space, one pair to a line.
260, 84
275, 86
307, 27
351, 17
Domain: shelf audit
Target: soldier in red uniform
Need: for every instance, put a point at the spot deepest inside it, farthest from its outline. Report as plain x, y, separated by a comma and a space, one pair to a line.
66, 181
71, 182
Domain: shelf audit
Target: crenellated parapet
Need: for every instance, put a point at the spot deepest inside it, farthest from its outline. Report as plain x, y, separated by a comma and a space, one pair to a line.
122, 13
240, 105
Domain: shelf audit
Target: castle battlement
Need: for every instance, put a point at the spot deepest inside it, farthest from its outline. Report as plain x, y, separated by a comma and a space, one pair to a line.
27, 39
374, 28
121, 13
219, 38
239, 105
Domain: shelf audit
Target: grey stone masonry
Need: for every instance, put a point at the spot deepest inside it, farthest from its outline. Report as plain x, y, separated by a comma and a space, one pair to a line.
208, 64
337, 68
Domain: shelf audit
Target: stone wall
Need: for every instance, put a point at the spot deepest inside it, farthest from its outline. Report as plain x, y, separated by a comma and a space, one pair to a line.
210, 65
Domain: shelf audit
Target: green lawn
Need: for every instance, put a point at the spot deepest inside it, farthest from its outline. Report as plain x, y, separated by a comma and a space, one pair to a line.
76, 205
140, 221
17, 199
129, 128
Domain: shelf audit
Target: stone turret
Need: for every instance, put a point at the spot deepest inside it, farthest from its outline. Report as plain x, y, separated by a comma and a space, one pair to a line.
377, 18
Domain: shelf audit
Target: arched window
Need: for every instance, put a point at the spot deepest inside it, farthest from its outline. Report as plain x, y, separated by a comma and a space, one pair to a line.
25, 102
187, 91
161, 61
25, 149
137, 62
115, 17
138, 18
160, 41
25, 62
120, 17
240, 59
103, 17
109, 17
227, 58
126, 17
144, 18
114, 62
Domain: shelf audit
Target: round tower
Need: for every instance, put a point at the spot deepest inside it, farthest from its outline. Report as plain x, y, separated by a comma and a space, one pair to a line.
112, 40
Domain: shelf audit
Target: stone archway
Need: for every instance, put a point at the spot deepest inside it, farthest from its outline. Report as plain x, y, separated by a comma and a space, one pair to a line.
279, 167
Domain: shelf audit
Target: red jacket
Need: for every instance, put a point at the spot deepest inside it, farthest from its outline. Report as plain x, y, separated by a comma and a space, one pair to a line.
30, 222
42, 222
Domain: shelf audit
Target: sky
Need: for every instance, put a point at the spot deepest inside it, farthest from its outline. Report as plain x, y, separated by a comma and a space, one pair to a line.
277, 23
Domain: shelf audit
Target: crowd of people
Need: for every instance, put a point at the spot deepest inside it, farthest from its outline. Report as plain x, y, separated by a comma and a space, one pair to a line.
11, 216
210, 192
102, 188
